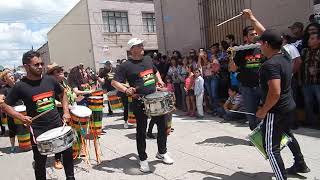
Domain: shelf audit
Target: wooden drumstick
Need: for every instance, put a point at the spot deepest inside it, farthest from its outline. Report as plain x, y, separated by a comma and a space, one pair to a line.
235, 17
39, 115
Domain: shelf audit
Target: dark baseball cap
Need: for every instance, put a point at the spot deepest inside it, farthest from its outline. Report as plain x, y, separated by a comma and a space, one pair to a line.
273, 37
297, 25
107, 63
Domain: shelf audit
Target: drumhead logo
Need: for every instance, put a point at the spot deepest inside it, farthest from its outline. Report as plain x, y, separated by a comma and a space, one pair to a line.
148, 77
44, 101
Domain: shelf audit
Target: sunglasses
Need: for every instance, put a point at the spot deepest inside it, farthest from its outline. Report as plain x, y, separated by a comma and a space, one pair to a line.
37, 64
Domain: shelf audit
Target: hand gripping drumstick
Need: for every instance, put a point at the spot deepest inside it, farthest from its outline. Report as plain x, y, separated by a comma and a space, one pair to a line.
235, 17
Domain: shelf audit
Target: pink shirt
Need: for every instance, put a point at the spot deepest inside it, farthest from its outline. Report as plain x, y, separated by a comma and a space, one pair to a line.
170, 87
189, 83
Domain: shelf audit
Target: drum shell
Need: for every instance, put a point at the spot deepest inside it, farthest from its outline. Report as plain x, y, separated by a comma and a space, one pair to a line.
95, 104
57, 144
131, 116
256, 138
4, 119
97, 93
115, 101
23, 134
96, 123
159, 106
80, 123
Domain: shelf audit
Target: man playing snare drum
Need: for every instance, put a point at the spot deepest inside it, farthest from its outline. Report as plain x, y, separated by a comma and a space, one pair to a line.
142, 76
38, 93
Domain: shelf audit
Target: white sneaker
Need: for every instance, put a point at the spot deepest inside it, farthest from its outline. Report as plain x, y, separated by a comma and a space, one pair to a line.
144, 166
125, 125
1, 153
165, 158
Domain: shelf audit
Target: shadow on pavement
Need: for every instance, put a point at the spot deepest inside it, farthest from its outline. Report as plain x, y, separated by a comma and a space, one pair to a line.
241, 176
236, 176
308, 132
224, 141
128, 164
6, 150
131, 136
116, 126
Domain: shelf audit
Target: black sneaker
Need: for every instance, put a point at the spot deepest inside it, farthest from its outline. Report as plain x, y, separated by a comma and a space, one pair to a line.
298, 168
151, 136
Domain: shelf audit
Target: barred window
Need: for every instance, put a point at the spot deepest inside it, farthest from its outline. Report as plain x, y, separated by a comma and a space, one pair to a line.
149, 22
115, 21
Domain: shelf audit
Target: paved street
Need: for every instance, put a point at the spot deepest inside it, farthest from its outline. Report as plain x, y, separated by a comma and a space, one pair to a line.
202, 149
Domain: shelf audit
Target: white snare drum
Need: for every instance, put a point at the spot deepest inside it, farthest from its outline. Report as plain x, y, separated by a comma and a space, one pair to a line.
20, 108
55, 140
158, 103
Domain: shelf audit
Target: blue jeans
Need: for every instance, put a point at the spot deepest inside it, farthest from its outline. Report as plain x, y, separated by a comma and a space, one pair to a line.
211, 86
311, 97
251, 99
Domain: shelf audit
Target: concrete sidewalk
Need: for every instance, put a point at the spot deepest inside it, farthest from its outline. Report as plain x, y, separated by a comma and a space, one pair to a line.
202, 149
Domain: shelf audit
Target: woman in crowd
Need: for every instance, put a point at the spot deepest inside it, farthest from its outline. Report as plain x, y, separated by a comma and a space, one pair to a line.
174, 74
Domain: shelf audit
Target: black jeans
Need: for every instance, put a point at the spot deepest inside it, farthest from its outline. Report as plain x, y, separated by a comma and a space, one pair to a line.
142, 127
40, 164
124, 100
274, 125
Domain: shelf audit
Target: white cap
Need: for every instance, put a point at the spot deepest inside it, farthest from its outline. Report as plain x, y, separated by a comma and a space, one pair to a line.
134, 41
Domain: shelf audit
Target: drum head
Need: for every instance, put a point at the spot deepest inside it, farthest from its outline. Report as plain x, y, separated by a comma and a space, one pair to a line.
95, 97
81, 111
20, 108
53, 133
156, 95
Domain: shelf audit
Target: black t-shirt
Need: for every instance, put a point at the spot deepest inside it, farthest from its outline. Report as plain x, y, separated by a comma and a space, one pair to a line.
249, 62
278, 67
139, 73
38, 96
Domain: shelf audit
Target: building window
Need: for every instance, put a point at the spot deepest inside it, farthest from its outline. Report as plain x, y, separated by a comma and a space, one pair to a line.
115, 21
149, 22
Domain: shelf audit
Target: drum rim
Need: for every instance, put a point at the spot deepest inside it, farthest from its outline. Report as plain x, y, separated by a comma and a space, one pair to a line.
83, 107
70, 129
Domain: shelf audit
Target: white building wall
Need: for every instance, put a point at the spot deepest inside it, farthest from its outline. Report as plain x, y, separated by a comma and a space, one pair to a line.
113, 46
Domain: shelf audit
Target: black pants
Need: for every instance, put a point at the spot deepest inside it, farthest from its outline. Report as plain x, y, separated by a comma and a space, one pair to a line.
124, 100
142, 127
12, 127
177, 93
40, 164
273, 127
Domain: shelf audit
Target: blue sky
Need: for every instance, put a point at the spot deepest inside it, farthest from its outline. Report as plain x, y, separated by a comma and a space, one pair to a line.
24, 24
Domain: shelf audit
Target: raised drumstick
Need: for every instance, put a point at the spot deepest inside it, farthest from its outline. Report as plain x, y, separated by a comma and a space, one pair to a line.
235, 17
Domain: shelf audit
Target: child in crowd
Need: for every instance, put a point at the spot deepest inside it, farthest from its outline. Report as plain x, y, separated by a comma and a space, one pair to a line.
169, 84
189, 84
198, 92
234, 102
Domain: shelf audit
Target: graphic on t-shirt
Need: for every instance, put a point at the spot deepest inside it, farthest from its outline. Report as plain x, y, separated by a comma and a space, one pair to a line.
85, 87
44, 101
148, 77
253, 61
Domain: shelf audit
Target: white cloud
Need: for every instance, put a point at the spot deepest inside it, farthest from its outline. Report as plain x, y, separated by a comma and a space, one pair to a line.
15, 38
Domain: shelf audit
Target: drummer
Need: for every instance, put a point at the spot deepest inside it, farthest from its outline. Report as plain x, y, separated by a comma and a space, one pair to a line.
9, 81
105, 78
57, 72
38, 93
141, 75
278, 106
80, 85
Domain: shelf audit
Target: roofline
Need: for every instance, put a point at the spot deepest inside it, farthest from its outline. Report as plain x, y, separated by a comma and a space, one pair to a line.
65, 16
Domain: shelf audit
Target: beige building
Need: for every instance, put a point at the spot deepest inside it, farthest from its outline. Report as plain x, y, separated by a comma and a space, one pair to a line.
192, 24
44, 53
98, 30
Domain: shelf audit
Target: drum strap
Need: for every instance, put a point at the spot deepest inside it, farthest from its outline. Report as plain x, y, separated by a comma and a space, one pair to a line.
32, 133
